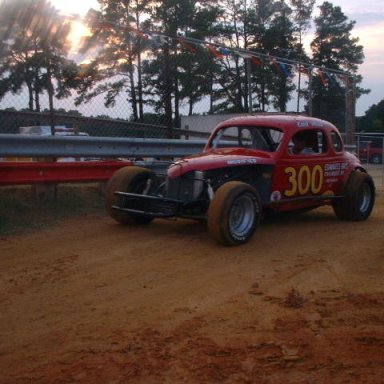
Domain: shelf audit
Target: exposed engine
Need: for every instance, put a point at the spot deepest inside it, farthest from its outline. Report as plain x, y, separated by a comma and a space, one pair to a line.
187, 187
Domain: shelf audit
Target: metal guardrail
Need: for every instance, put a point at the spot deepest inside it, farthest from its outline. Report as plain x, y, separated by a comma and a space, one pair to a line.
34, 172
85, 146
12, 145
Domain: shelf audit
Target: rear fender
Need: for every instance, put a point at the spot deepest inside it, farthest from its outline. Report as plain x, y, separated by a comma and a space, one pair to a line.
348, 175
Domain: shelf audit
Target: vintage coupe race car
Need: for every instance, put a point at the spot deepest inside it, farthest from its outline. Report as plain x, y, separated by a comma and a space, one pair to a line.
250, 166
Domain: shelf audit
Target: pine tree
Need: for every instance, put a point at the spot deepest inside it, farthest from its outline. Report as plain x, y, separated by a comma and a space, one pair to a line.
262, 22
175, 70
232, 86
301, 17
117, 69
34, 48
373, 119
282, 43
334, 48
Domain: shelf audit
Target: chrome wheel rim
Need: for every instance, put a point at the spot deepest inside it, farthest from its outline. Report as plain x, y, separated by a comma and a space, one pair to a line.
365, 198
242, 216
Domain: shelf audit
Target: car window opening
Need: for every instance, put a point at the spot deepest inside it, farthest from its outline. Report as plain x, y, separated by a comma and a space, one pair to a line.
308, 142
259, 138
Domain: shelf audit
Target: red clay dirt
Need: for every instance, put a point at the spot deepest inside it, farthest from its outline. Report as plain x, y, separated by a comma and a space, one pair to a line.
91, 301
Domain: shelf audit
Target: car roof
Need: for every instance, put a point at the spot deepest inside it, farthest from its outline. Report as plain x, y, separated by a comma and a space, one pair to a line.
285, 122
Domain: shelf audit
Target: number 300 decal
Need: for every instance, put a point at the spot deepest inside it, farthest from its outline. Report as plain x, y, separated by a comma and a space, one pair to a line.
304, 180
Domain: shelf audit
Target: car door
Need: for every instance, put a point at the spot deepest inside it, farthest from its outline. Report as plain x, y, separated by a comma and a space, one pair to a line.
299, 178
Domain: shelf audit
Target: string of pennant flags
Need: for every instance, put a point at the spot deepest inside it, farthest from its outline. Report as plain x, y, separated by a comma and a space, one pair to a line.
285, 67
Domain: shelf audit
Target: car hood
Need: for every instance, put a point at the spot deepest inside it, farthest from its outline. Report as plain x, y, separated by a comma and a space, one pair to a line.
220, 158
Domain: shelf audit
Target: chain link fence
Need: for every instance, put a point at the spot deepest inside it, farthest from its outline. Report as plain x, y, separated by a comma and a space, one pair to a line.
155, 82
145, 101
159, 96
370, 150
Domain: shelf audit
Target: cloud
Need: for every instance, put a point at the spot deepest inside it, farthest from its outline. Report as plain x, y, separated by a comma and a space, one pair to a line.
351, 7
366, 18
371, 37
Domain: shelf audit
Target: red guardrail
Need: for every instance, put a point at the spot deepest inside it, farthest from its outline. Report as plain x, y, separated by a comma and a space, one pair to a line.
33, 172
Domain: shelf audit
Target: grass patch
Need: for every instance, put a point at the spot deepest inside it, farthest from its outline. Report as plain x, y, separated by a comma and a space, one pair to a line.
21, 210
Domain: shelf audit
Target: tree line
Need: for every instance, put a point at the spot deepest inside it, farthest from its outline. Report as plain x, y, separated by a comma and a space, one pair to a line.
162, 72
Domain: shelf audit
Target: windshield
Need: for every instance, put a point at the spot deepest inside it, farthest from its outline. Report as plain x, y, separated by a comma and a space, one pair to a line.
262, 138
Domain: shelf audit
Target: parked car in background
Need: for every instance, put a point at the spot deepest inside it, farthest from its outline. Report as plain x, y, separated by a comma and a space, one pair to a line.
370, 150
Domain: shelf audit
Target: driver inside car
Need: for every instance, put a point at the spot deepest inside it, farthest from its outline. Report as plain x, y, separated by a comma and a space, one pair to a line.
300, 145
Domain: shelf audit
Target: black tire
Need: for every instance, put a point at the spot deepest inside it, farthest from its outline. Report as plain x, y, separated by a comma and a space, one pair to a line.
358, 200
234, 213
127, 179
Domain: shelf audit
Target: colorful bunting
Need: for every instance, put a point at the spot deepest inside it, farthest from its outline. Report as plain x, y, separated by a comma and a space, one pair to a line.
325, 75
257, 61
275, 64
281, 67
187, 45
225, 51
215, 52
243, 55
331, 78
285, 69
345, 79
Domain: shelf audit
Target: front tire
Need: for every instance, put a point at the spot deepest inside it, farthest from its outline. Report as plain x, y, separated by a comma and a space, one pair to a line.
234, 213
358, 200
133, 180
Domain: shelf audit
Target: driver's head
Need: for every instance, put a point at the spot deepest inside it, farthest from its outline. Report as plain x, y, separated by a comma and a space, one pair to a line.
299, 142
299, 138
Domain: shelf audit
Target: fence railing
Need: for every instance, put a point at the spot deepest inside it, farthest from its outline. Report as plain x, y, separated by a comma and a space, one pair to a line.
39, 147
84, 146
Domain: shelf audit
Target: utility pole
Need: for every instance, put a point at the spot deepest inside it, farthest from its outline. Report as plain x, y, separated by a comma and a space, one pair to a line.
310, 95
248, 63
350, 112
50, 96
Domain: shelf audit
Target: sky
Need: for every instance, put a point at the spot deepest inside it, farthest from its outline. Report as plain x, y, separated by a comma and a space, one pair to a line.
369, 28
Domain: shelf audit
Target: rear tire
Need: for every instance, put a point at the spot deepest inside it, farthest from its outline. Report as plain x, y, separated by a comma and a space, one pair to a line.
358, 200
128, 179
234, 213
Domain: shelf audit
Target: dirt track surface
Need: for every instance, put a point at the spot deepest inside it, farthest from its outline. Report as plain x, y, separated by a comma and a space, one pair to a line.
90, 301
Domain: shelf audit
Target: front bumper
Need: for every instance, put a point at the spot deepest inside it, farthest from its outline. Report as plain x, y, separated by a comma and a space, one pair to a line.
147, 205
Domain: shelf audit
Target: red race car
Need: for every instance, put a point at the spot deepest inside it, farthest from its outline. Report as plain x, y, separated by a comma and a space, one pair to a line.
250, 166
